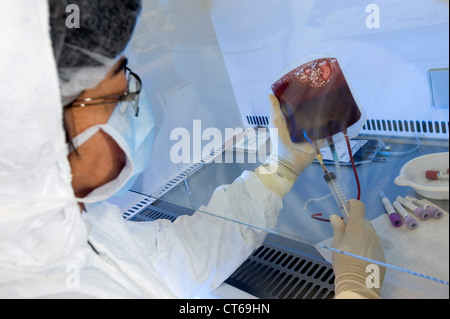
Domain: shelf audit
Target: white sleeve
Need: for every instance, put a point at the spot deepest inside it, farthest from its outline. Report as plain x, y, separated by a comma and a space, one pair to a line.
195, 254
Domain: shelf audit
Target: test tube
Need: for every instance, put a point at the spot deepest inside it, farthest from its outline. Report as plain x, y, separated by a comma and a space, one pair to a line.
420, 212
395, 218
437, 175
435, 212
410, 222
338, 194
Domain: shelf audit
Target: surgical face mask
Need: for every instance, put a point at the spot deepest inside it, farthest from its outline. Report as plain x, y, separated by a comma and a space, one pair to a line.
134, 135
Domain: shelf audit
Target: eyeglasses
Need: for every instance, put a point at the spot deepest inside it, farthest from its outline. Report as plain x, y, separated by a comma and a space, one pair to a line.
134, 87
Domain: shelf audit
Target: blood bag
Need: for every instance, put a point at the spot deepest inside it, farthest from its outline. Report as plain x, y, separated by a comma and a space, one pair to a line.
316, 100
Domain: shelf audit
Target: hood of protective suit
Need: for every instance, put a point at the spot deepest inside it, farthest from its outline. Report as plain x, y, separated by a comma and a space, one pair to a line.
40, 221
87, 36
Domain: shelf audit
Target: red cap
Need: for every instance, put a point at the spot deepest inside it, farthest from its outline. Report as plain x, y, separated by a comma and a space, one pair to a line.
432, 175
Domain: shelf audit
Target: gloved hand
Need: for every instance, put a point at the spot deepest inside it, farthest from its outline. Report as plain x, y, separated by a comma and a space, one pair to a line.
300, 155
287, 159
356, 277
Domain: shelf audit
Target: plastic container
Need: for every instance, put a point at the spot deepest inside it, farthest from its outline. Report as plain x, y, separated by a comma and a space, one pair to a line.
316, 100
413, 174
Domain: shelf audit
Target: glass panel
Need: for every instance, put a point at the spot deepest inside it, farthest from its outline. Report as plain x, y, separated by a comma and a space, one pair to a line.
212, 73
407, 251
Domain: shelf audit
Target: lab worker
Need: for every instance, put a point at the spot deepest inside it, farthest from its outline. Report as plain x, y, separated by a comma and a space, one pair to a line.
76, 128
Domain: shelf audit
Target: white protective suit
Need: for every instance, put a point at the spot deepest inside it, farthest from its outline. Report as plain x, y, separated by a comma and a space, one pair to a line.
47, 248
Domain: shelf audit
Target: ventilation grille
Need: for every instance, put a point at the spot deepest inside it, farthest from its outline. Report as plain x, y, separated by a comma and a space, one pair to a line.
152, 214
403, 127
272, 273
436, 129
258, 120
137, 207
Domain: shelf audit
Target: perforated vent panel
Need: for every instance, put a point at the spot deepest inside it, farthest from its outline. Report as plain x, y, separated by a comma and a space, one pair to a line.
154, 213
272, 272
395, 127
150, 215
254, 120
407, 128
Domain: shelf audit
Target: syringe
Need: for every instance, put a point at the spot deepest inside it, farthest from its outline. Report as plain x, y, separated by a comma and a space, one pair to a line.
335, 188
338, 194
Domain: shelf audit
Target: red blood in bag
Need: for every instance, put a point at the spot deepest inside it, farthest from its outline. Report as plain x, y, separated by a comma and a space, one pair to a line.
326, 71
316, 101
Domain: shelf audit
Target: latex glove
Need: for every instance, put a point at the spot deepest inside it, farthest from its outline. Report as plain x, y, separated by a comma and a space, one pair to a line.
287, 160
299, 155
357, 237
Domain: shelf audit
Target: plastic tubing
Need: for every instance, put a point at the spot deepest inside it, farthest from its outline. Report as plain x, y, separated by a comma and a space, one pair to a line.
349, 148
335, 156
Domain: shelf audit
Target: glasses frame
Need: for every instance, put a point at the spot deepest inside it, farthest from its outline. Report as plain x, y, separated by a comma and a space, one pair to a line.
114, 98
